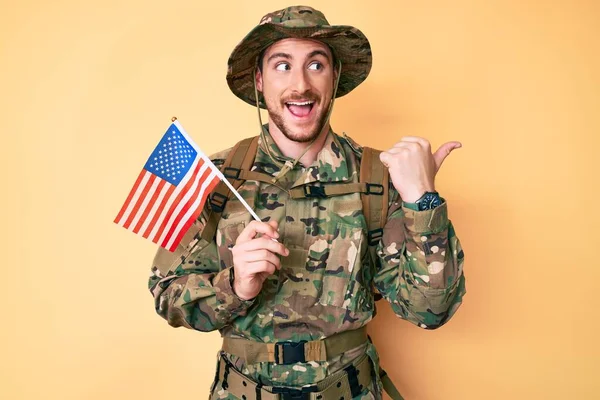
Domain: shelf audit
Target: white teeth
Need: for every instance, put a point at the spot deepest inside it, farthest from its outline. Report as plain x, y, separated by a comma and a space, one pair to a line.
295, 103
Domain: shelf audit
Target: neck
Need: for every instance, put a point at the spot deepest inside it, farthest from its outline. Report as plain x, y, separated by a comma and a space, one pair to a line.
293, 149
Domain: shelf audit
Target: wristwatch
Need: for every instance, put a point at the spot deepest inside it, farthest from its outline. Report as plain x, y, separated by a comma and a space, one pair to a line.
428, 201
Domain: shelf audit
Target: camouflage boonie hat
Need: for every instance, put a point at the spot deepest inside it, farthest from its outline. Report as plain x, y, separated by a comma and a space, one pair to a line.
349, 45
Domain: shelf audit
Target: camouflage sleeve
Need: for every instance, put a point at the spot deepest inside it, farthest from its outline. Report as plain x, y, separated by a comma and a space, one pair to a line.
420, 265
190, 288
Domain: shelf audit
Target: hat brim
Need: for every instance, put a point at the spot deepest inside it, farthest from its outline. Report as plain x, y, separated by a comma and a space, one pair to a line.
350, 45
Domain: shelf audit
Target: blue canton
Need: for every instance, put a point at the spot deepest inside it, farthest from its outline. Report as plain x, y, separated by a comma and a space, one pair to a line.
172, 158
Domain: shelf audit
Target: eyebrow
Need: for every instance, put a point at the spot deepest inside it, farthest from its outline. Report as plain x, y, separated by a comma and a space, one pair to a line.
289, 57
319, 52
276, 55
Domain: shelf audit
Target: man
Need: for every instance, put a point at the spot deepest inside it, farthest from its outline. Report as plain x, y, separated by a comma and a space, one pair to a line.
291, 294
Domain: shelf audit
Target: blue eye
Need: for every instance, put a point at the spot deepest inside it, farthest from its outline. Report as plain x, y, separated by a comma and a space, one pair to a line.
282, 67
315, 66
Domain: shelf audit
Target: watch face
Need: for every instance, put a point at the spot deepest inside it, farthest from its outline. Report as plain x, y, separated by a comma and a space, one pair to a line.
429, 201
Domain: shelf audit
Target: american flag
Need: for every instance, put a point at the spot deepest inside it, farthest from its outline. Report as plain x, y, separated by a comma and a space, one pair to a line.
171, 190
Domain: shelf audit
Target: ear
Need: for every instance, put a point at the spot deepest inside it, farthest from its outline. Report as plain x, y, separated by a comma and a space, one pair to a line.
258, 80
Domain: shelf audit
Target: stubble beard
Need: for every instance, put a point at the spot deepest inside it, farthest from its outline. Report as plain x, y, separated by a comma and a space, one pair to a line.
278, 120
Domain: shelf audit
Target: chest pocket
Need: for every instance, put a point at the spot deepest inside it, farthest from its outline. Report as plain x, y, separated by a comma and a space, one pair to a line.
340, 270
322, 267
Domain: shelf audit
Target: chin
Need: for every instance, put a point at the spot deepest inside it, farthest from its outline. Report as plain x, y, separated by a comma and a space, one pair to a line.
301, 136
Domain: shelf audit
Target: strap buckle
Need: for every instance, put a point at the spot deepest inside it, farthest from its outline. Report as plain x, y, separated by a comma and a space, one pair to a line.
295, 394
289, 352
232, 173
217, 202
374, 236
314, 191
378, 189
355, 387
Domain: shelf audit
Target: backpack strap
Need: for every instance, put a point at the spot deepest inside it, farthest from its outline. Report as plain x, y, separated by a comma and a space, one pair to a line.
240, 158
375, 205
335, 189
373, 186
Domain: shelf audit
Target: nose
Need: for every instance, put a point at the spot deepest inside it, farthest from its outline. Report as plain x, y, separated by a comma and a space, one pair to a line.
300, 81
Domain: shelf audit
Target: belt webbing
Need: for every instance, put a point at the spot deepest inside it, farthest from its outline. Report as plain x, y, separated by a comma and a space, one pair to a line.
389, 386
318, 350
346, 384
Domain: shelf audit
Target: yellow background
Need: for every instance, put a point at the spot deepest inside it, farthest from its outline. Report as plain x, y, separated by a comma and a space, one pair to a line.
88, 88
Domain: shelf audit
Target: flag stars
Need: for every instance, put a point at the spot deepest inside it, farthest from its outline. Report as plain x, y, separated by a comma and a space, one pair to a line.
173, 157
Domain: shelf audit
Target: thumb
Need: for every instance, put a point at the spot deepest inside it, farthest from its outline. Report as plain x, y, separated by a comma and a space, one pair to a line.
440, 155
273, 223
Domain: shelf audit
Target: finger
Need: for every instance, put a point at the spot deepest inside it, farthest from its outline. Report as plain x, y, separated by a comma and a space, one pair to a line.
416, 139
389, 157
259, 267
255, 227
260, 255
440, 155
407, 146
263, 243
275, 226
385, 158
397, 150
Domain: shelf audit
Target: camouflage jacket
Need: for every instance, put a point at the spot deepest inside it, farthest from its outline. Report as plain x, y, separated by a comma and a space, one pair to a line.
325, 284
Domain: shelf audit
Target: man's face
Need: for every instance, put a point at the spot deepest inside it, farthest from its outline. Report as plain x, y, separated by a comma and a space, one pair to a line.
297, 82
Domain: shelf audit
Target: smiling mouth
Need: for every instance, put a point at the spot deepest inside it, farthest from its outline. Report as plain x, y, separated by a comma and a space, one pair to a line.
300, 109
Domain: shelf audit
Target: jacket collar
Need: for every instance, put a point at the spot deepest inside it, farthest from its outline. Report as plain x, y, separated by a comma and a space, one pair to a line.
330, 166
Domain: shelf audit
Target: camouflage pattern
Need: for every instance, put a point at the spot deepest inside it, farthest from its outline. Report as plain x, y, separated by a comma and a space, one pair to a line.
218, 393
368, 393
349, 45
325, 284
